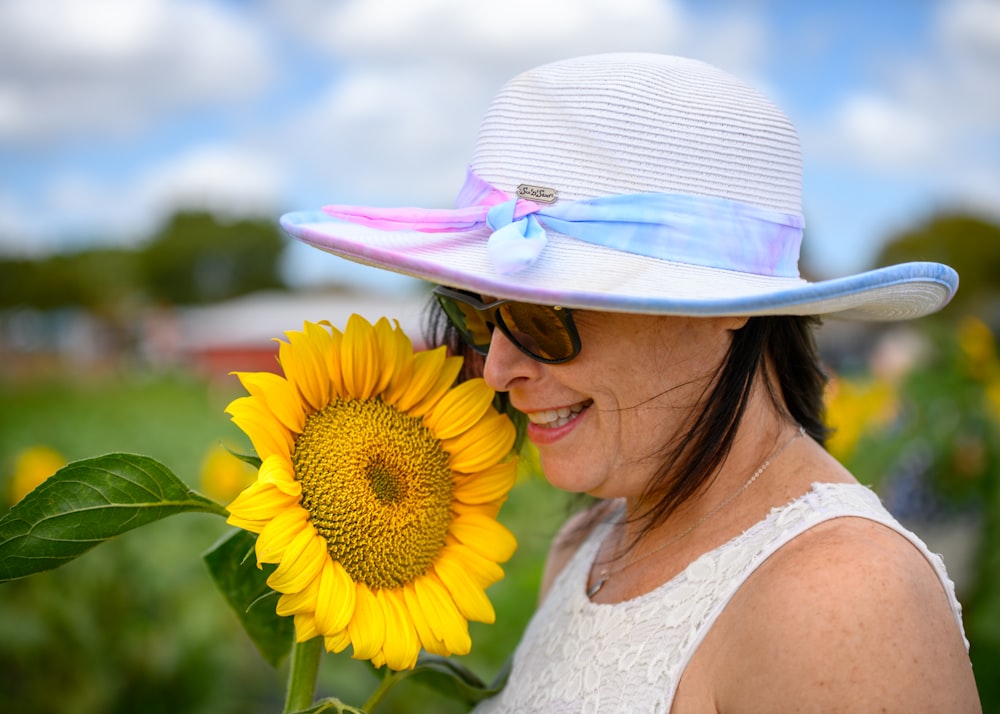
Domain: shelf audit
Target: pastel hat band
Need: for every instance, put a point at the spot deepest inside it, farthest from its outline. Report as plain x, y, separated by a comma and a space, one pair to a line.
698, 230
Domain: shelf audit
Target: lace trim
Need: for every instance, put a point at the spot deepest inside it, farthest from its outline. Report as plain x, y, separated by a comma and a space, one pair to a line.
580, 656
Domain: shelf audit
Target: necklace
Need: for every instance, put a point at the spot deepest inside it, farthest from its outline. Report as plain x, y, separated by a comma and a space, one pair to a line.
607, 573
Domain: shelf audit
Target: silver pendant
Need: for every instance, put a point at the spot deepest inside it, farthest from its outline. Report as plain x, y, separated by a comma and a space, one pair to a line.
596, 587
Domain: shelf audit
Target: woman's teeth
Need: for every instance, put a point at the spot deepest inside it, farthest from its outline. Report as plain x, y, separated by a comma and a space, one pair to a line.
554, 418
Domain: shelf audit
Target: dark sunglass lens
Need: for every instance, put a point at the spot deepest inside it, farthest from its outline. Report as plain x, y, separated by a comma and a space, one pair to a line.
538, 329
469, 322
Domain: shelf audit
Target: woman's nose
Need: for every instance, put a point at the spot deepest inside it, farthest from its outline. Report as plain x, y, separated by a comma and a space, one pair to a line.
506, 364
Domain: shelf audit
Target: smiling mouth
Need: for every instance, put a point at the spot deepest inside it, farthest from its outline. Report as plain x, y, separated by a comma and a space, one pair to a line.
554, 418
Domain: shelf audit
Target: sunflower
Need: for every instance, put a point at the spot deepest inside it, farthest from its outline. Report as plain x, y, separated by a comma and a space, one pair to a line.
378, 491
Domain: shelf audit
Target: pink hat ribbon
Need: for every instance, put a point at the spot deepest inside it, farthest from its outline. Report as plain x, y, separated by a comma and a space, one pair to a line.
684, 228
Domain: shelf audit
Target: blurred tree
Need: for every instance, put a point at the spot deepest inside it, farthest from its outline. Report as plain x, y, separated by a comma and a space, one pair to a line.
196, 258
969, 244
94, 279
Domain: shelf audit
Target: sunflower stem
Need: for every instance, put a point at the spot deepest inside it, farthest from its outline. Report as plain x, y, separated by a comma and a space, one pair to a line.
383, 688
302, 675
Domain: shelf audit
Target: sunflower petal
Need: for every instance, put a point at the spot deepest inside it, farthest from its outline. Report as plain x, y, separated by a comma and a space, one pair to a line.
488, 486
266, 433
427, 366
334, 368
336, 598
469, 596
430, 642
360, 358
443, 617
485, 571
402, 371
367, 625
301, 562
337, 642
302, 601
401, 642
305, 627
278, 471
279, 534
446, 378
486, 536
482, 446
304, 367
257, 504
459, 409
278, 395
385, 338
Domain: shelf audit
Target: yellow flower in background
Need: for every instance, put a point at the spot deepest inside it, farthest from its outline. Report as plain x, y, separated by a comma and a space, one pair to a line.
31, 467
223, 475
378, 491
854, 407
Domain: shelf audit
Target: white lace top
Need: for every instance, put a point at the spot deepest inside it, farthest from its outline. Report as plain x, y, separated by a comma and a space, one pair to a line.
580, 656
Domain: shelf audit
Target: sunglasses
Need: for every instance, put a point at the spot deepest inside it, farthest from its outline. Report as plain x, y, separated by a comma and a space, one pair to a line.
544, 333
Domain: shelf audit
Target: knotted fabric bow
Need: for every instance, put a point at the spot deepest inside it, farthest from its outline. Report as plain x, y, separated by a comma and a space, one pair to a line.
684, 228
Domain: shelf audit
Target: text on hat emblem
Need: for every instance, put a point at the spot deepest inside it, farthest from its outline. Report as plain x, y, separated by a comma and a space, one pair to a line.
537, 193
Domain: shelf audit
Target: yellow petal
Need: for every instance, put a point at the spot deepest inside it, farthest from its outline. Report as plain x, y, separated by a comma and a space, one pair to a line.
443, 617
484, 535
337, 642
334, 368
335, 600
401, 642
302, 601
301, 562
359, 356
305, 627
278, 394
278, 471
469, 597
485, 571
487, 486
445, 380
267, 434
279, 534
402, 371
367, 626
482, 446
427, 366
257, 504
387, 346
323, 344
305, 368
428, 640
459, 409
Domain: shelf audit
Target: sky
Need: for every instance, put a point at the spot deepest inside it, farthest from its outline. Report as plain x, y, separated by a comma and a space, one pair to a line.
114, 114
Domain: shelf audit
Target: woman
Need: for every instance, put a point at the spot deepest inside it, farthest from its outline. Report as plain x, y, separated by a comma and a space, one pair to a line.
625, 256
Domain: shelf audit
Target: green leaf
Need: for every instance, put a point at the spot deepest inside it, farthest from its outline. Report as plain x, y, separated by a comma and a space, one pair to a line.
332, 705
453, 679
84, 504
251, 459
233, 566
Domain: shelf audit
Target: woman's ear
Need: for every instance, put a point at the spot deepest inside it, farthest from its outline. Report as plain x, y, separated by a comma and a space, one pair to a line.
735, 322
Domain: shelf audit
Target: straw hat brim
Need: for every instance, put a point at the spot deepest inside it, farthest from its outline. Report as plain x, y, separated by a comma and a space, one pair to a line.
577, 274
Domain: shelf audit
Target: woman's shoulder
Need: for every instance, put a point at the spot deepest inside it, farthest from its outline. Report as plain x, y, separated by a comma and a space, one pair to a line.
571, 536
849, 611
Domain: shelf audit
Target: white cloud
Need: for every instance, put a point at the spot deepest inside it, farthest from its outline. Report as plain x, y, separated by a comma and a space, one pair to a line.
108, 66
76, 208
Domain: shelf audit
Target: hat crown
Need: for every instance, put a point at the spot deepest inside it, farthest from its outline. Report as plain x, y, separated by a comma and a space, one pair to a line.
639, 123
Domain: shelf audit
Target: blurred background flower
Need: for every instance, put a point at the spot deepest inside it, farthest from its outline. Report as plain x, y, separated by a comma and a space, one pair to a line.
32, 466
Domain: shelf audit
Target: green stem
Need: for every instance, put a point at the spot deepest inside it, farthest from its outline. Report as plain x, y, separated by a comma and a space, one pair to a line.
302, 675
383, 688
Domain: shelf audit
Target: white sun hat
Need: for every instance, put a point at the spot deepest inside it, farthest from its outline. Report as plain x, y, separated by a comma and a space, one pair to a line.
627, 183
